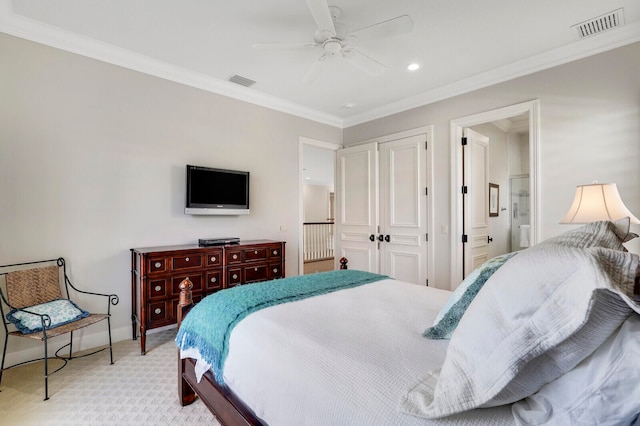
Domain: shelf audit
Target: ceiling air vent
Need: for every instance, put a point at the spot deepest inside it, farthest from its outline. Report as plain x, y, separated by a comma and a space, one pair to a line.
243, 81
599, 24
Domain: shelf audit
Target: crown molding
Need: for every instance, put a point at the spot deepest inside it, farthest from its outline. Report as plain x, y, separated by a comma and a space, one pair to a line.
36, 31
580, 49
29, 29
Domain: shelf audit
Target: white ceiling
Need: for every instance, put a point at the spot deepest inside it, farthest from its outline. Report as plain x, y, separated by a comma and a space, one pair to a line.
461, 45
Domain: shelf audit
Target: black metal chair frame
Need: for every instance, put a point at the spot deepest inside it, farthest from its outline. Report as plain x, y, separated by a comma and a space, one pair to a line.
112, 299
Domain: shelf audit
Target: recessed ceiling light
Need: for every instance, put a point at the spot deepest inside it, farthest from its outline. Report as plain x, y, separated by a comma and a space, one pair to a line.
413, 66
348, 106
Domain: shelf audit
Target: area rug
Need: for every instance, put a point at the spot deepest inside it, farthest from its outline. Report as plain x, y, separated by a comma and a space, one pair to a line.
135, 390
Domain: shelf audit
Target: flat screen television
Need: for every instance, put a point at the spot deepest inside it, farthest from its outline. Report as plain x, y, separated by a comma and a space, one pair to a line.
216, 191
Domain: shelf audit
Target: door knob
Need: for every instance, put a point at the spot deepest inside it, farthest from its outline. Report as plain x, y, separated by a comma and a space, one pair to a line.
372, 237
387, 238
489, 239
380, 237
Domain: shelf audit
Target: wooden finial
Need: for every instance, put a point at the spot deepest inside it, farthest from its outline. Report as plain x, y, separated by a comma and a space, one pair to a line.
343, 263
186, 298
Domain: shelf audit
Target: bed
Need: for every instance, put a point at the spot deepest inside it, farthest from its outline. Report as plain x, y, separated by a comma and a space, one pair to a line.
363, 349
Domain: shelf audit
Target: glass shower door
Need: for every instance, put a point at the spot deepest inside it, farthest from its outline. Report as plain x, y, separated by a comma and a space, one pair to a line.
519, 200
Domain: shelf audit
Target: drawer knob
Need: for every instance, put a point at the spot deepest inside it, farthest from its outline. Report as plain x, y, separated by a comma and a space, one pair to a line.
255, 252
158, 310
255, 269
213, 258
235, 276
275, 270
213, 279
275, 252
186, 259
157, 264
235, 256
158, 288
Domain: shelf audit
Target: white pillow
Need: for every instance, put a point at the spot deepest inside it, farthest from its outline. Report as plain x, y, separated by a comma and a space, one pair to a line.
536, 318
452, 311
60, 311
604, 389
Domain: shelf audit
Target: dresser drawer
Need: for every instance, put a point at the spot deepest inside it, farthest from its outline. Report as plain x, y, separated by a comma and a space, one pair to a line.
275, 252
234, 277
190, 261
159, 288
256, 254
256, 273
234, 256
159, 313
275, 270
213, 280
214, 258
157, 265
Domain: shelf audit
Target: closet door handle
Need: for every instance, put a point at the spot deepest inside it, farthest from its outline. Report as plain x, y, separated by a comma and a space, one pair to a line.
387, 238
372, 237
380, 237
489, 239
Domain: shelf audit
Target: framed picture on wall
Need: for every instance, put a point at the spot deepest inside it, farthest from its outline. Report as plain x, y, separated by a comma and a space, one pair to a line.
494, 199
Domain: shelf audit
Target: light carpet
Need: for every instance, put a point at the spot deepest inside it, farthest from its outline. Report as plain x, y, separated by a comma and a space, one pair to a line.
135, 390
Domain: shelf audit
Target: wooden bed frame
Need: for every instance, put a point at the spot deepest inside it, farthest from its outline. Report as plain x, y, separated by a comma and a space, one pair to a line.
220, 400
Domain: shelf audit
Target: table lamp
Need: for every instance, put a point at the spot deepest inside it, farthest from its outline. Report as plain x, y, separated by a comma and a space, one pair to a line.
597, 201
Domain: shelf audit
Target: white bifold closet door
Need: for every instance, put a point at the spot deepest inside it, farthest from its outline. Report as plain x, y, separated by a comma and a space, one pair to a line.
381, 223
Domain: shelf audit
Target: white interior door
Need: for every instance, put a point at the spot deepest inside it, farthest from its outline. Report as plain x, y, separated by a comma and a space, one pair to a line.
403, 209
476, 208
357, 207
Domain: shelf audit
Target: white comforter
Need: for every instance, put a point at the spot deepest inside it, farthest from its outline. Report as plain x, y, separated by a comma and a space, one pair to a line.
343, 358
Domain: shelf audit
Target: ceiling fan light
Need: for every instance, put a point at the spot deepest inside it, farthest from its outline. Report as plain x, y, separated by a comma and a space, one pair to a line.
332, 46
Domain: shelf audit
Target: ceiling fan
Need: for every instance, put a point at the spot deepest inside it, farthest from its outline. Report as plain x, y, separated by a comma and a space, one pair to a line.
336, 41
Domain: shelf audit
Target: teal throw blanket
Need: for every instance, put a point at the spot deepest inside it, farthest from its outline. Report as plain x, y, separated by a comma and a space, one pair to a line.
208, 325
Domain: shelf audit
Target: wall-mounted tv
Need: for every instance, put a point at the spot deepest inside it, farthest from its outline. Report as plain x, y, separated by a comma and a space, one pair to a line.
216, 191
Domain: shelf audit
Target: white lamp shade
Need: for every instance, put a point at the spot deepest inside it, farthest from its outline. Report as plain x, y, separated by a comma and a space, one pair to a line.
598, 201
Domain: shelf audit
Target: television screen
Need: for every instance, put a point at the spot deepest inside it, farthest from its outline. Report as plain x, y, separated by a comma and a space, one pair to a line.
216, 191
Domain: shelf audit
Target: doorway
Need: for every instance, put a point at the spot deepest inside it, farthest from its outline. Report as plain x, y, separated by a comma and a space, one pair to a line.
317, 205
529, 112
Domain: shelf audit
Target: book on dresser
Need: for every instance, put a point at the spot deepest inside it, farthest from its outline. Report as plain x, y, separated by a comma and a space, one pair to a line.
156, 273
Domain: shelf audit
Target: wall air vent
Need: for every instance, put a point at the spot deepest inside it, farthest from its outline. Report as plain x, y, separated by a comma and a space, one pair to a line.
599, 24
243, 81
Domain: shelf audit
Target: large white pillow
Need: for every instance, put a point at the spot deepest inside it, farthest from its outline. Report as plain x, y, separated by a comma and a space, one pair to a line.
449, 316
536, 318
604, 389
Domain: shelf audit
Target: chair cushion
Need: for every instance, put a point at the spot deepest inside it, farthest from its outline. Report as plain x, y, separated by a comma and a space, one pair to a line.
61, 311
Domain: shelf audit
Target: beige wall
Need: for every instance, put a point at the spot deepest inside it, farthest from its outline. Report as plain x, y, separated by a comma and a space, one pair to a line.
92, 163
316, 203
590, 127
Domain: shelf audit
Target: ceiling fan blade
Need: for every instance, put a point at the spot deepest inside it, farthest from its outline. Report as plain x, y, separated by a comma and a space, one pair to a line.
315, 69
322, 16
363, 62
282, 46
396, 26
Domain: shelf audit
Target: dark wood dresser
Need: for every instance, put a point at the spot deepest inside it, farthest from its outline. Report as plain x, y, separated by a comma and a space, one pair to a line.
156, 273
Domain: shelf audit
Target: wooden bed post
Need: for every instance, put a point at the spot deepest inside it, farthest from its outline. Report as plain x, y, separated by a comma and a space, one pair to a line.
343, 262
186, 394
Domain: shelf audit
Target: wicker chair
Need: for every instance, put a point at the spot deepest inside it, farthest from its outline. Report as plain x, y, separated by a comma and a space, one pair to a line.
35, 283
